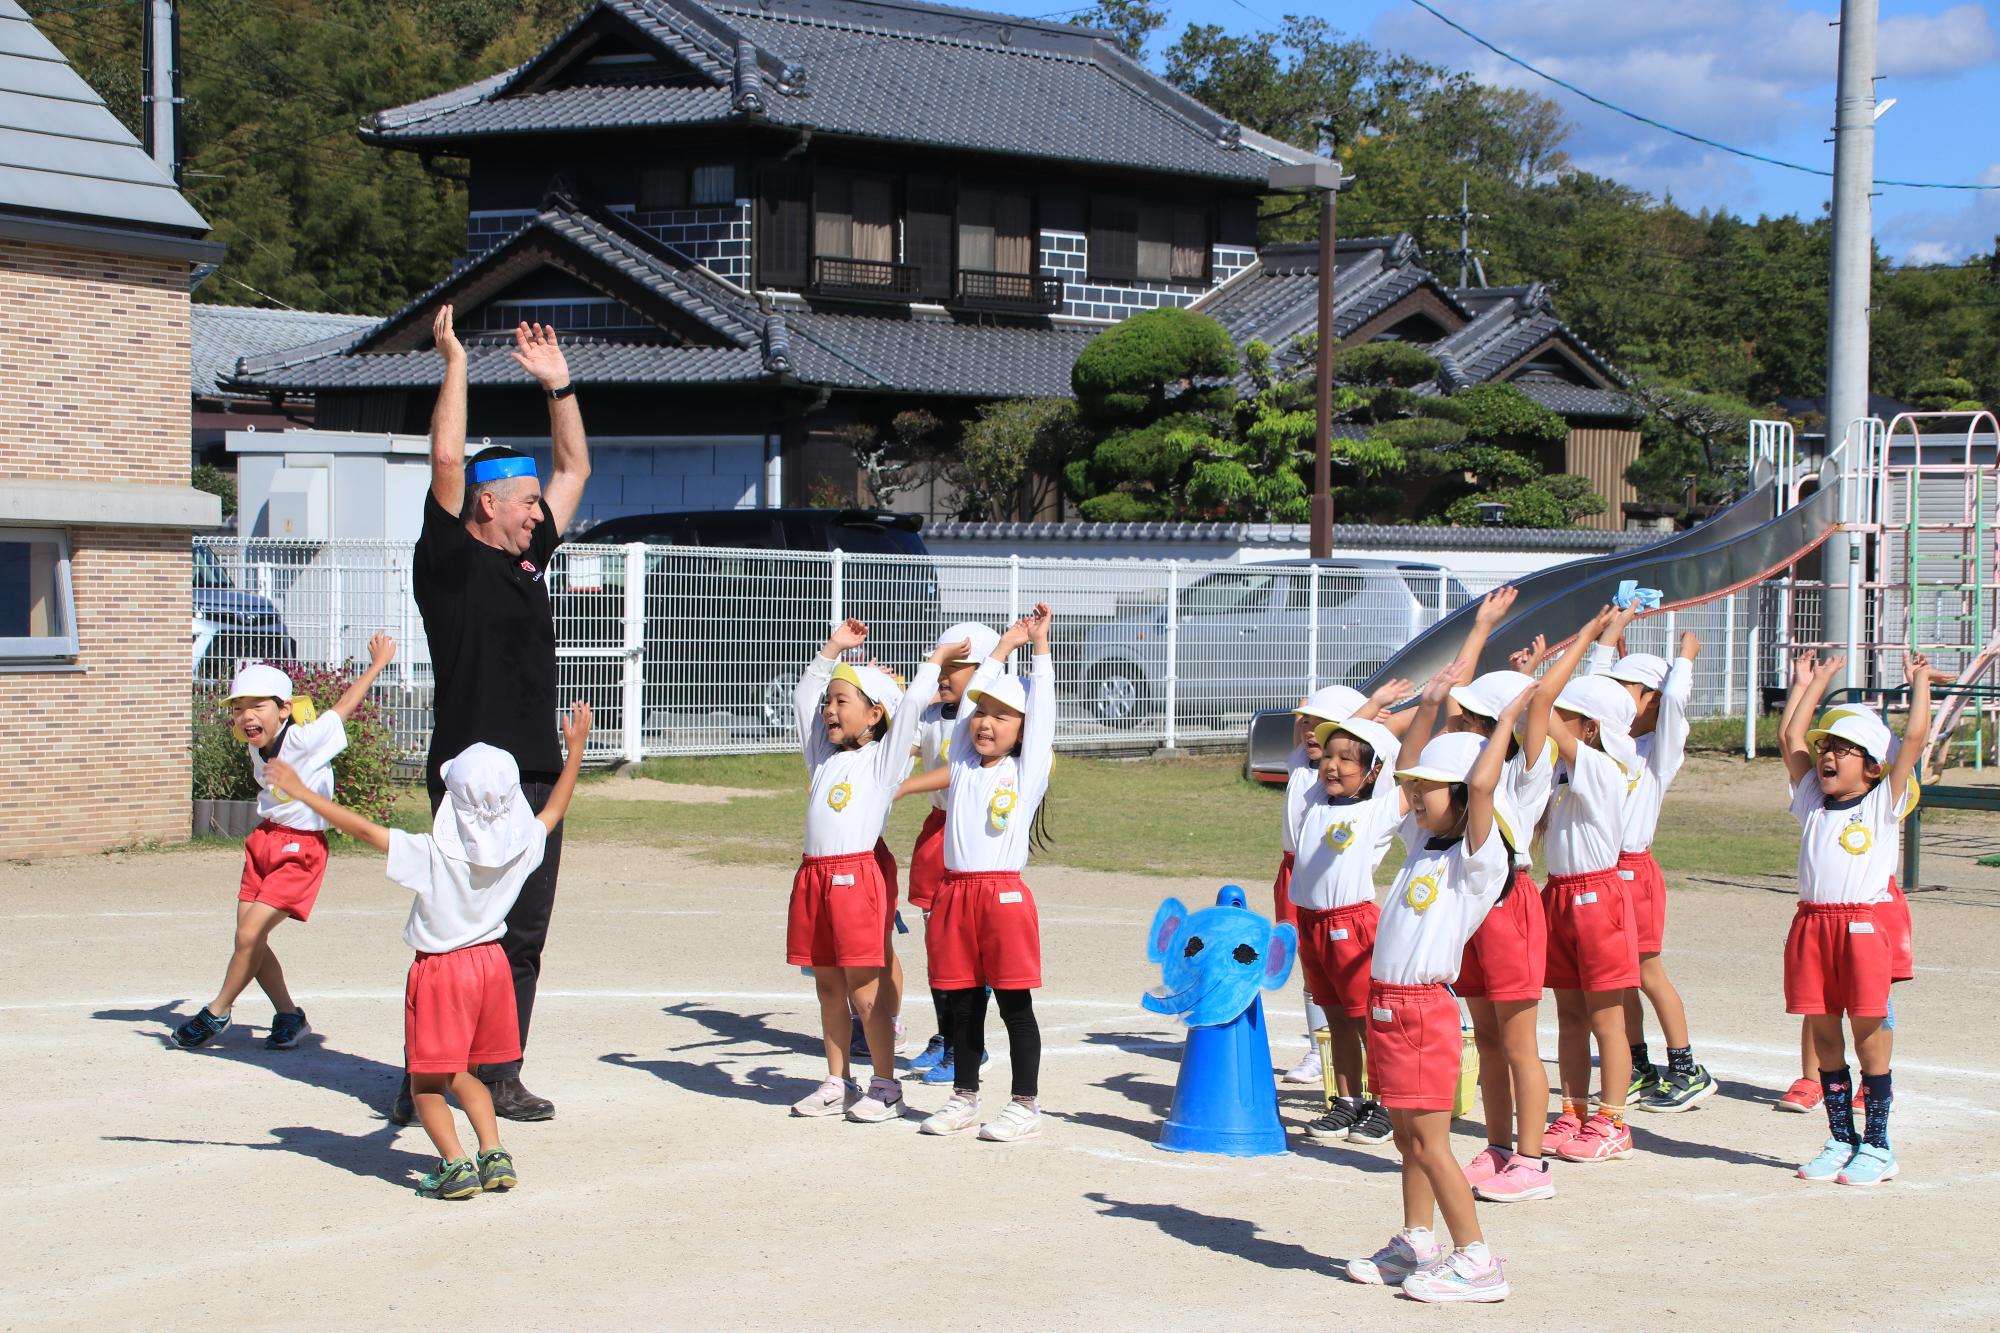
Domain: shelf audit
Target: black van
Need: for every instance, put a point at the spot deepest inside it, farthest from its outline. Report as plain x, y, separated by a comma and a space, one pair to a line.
727, 631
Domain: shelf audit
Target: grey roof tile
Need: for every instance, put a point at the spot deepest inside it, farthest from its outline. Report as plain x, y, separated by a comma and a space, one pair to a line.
1575, 400
935, 355
223, 334
63, 153
488, 363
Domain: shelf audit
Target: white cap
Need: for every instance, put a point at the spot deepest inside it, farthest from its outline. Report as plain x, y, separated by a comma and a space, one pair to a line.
1852, 722
1006, 690
1606, 703
1366, 730
259, 680
876, 685
484, 819
982, 639
1449, 758
1331, 703
1640, 669
1489, 695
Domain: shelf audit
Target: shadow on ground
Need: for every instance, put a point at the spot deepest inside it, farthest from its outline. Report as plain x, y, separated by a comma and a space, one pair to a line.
372, 1156
311, 1062
1222, 1235
762, 1083
734, 1029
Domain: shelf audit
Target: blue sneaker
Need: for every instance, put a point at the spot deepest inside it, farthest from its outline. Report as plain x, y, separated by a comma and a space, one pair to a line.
286, 1029
1870, 1166
946, 1070
857, 1043
936, 1049
199, 1030
1832, 1160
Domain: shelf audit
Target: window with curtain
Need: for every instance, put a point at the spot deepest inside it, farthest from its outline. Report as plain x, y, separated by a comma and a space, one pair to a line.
1173, 243
854, 217
715, 184
37, 609
996, 231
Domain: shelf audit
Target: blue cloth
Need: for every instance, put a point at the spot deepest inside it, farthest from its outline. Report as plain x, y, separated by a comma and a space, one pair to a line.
493, 469
1631, 594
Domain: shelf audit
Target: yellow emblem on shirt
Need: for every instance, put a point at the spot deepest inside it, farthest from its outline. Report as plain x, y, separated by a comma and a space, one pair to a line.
1341, 836
1422, 892
1002, 806
841, 794
1855, 839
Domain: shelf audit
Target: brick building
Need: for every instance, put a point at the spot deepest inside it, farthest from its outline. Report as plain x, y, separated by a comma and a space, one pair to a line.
97, 249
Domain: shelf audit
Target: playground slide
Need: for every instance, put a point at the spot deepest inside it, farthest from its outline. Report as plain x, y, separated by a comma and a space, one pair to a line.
1739, 546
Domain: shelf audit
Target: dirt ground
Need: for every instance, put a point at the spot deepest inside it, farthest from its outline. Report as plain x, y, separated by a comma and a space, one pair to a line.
234, 1186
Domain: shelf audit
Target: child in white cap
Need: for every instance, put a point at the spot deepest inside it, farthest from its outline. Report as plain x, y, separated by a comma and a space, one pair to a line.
856, 731
1458, 835
458, 1002
1329, 703
1660, 692
284, 858
1852, 786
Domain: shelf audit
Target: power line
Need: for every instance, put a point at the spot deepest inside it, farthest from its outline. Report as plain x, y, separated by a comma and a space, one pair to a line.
1662, 125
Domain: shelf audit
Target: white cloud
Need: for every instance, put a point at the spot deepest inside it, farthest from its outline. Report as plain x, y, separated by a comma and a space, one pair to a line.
1945, 235
1916, 45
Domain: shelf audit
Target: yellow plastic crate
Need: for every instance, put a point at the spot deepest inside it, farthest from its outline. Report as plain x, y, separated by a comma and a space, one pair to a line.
1468, 1072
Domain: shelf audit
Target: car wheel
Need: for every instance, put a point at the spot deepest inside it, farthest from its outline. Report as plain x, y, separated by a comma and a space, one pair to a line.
1118, 695
774, 701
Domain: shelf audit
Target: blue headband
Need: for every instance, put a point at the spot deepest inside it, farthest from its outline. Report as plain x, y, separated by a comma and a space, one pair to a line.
493, 469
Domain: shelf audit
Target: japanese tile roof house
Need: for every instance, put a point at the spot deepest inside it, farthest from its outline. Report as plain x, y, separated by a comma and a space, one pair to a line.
759, 223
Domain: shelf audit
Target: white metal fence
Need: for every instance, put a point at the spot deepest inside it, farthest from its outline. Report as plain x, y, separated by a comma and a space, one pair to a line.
684, 650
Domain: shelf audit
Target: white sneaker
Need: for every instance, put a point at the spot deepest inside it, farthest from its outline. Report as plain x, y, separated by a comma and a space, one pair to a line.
831, 1097
1305, 1071
883, 1101
1406, 1253
960, 1113
1016, 1121
902, 1045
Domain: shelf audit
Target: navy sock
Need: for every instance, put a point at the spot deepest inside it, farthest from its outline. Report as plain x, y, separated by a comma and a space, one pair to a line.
1838, 1085
1641, 1059
1680, 1060
1881, 1097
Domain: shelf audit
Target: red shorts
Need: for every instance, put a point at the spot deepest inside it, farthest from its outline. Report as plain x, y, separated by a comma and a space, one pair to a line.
885, 861
839, 914
927, 861
1414, 1043
1282, 907
458, 1011
1646, 890
1336, 949
984, 931
1892, 918
1593, 940
1837, 961
1507, 958
283, 868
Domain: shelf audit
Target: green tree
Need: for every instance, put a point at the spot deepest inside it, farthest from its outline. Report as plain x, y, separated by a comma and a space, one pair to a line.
1013, 455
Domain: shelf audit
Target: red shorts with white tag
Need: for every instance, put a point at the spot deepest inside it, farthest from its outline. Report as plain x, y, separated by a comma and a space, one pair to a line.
1507, 958
1336, 949
927, 861
1646, 891
1892, 918
984, 931
1282, 906
459, 1011
1593, 940
1837, 961
283, 868
1414, 1043
839, 915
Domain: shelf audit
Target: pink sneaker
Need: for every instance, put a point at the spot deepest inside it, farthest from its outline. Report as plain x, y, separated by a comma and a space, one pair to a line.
1521, 1181
1560, 1131
1600, 1140
1803, 1096
1471, 1274
1490, 1163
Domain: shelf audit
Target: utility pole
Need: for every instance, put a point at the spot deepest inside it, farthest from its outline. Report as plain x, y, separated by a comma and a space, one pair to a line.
1468, 258
1848, 290
162, 78
1323, 176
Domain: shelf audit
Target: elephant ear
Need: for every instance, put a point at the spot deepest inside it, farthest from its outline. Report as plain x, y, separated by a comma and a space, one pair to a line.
1279, 955
1166, 922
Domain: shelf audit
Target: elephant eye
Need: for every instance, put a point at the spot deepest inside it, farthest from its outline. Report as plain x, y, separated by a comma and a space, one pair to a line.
1244, 954
1194, 946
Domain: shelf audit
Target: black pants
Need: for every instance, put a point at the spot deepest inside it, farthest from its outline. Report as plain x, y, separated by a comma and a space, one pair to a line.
968, 1037
527, 922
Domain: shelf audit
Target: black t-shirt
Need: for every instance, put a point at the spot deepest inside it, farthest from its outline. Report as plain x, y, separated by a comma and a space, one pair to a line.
492, 640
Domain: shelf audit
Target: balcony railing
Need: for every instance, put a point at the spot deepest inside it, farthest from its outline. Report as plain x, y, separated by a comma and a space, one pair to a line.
1019, 293
864, 279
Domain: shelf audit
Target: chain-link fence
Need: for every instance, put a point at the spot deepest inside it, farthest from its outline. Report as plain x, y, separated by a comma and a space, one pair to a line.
686, 650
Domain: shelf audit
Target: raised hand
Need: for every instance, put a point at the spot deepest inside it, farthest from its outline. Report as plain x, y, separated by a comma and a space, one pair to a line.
576, 726
446, 339
1525, 660
537, 352
282, 779
381, 648
951, 652
849, 634
1803, 667
1690, 645
1036, 622
1512, 712
1440, 685
1830, 668
1390, 692
1494, 606
1920, 665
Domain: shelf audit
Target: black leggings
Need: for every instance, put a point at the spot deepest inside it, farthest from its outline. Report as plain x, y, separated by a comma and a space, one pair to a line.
968, 1037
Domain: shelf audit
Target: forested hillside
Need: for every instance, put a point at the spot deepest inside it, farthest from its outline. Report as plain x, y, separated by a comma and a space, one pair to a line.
1709, 303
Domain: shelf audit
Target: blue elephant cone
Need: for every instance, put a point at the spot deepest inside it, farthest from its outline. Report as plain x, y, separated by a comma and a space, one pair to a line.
1213, 964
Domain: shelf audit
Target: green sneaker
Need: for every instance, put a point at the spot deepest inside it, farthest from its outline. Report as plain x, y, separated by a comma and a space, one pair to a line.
496, 1170
1645, 1079
452, 1180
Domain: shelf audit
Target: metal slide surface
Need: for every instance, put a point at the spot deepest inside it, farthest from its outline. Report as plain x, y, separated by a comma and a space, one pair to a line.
1740, 546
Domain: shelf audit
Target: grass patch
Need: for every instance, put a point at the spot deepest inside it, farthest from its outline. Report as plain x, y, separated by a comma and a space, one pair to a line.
1725, 734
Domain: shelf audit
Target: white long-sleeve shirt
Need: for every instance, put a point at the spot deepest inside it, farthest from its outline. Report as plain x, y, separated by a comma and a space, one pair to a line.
1301, 781
850, 791
1341, 842
989, 810
1662, 751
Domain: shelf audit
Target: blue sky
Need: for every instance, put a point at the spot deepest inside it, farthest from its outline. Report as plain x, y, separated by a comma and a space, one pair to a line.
1758, 74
